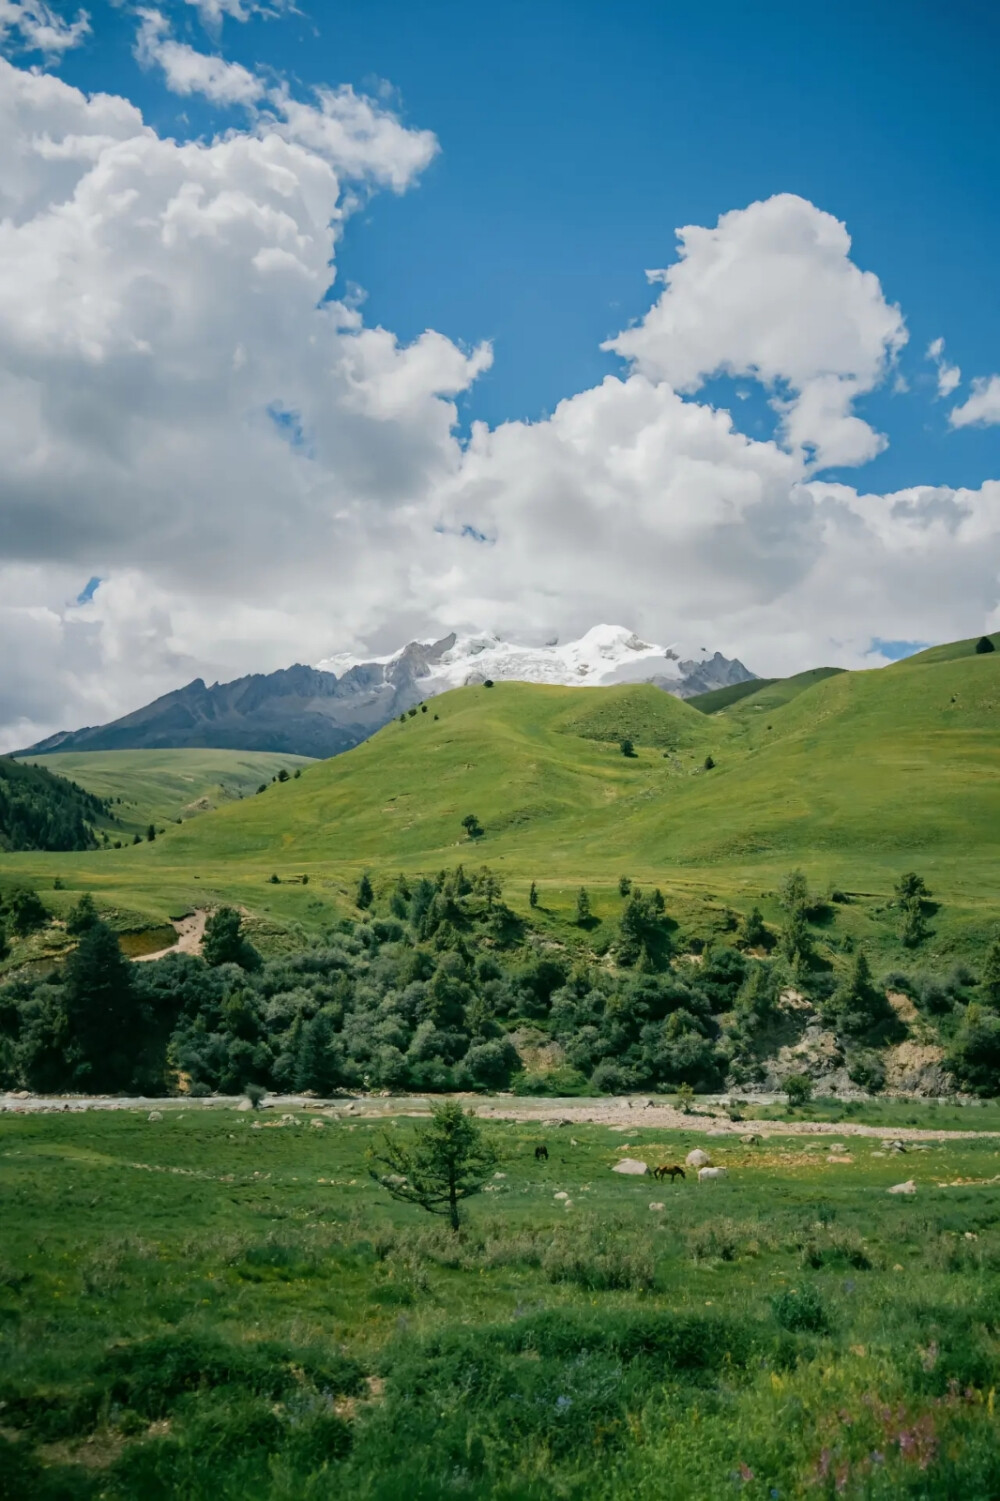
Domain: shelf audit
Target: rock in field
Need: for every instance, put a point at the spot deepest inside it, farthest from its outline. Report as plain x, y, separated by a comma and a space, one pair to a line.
909, 1187
698, 1158
630, 1166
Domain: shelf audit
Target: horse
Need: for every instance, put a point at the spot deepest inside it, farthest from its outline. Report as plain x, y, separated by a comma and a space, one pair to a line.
673, 1173
541, 1152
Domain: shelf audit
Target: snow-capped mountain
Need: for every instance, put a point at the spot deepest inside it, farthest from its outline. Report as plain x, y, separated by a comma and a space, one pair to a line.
323, 710
606, 654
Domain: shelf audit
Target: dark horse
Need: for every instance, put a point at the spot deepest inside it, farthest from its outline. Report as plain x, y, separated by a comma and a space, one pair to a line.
541, 1152
673, 1173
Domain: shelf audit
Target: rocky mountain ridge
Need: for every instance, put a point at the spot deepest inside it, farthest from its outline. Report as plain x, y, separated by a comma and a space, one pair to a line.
323, 710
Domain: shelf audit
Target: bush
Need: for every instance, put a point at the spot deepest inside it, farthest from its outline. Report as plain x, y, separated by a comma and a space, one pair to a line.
801, 1311
798, 1090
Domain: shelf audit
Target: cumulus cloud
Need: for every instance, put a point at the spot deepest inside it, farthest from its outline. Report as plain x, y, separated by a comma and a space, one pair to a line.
771, 292
214, 12
982, 408
41, 29
187, 71
256, 476
949, 377
360, 138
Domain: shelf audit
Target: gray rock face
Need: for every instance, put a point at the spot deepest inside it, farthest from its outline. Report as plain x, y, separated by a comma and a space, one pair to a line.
309, 711
298, 710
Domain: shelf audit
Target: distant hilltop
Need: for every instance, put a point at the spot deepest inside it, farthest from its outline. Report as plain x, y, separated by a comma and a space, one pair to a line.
323, 710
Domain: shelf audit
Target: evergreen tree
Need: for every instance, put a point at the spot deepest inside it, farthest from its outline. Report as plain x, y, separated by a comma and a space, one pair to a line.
472, 826
624, 885
365, 895
911, 893
25, 911
753, 934
626, 747
533, 896
82, 916
105, 1022
151, 833
450, 1160
984, 645
583, 912
989, 980
225, 943
318, 1065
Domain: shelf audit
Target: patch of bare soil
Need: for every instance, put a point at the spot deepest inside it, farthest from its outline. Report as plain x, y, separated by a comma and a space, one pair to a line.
190, 937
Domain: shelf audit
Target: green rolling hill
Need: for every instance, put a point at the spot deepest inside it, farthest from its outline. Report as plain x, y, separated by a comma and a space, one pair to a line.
165, 785
853, 776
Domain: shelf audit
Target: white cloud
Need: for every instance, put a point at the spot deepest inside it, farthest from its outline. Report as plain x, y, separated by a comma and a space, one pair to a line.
360, 138
214, 12
187, 71
771, 292
983, 406
949, 377
40, 28
258, 477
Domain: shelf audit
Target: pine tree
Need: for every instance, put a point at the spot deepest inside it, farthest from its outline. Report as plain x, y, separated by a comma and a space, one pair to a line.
583, 912
365, 895
989, 981
450, 1160
225, 943
318, 1062
533, 896
105, 1023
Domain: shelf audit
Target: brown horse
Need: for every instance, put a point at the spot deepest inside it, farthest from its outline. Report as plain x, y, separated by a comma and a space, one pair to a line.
540, 1152
673, 1173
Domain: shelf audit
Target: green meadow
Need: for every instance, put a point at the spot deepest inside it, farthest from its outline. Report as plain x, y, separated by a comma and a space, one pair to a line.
221, 1304
154, 786
854, 777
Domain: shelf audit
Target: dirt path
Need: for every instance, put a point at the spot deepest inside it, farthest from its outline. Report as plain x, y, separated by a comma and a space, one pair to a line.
616, 1113
625, 1115
190, 935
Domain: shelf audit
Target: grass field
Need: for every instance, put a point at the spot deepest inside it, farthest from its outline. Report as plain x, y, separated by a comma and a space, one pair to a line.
216, 1305
856, 778
162, 786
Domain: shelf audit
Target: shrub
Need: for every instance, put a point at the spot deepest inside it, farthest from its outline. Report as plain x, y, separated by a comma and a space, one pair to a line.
801, 1311
798, 1090
626, 747
983, 646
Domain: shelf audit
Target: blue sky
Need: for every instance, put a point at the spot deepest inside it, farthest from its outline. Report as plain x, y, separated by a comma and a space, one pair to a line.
575, 137
251, 469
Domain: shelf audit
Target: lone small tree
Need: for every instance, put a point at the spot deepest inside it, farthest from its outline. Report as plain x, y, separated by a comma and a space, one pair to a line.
709, 763
365, 895
533, 896
151, 833
626, 747
583, 912
624, 885
472, 826
984, 645
798, 1090
449, 1160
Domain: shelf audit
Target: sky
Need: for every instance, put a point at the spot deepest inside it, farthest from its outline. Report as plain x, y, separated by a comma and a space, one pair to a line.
326, 327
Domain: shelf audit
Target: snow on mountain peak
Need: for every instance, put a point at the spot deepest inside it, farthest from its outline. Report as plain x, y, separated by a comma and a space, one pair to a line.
605, 654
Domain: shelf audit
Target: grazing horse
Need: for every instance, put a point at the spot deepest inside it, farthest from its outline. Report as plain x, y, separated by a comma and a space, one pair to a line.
673, 1173
541, 1152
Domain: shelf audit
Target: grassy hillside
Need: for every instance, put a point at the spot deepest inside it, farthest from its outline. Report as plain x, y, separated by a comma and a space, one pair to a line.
950, 651
40, 811
856, 777
161, 785
724, 698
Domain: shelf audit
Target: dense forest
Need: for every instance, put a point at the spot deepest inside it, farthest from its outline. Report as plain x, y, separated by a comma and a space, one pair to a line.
429, 988
42, 811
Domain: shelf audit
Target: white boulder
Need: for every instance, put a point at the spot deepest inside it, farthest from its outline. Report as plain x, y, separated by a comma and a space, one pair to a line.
630, 1166
909, 1187
698, 1158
